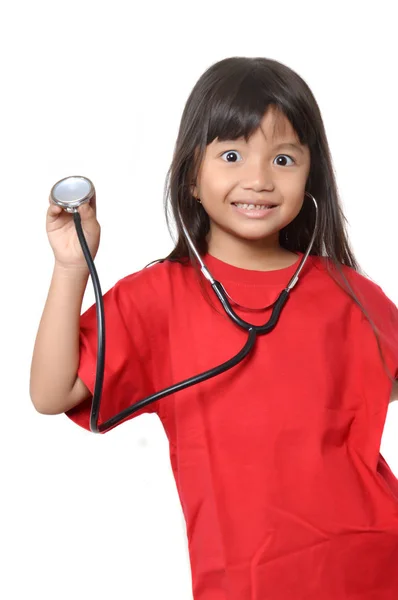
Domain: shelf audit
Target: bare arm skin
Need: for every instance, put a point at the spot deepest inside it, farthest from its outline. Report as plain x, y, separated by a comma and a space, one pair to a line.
54, 385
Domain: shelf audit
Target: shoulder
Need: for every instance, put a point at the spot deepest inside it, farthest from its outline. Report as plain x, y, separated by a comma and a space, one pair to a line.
365, 288
160, 272
153, 284
370, 292
377, 307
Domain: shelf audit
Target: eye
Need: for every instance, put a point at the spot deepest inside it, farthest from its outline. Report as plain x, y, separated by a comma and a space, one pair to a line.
284, 156
230, 153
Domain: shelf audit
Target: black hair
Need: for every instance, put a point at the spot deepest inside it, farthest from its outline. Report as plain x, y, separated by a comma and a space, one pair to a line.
229, 101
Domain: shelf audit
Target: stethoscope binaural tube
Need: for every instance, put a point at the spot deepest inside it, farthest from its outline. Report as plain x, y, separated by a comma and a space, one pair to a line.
70, 193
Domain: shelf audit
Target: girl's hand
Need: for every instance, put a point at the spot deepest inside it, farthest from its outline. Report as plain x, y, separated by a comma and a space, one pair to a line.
62, 234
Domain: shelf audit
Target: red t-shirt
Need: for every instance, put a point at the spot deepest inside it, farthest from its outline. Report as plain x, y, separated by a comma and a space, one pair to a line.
277, 461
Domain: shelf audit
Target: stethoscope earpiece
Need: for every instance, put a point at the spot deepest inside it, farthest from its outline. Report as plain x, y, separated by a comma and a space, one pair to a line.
71, 192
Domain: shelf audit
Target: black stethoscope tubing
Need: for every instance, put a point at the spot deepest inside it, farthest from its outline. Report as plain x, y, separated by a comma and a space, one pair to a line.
253, 331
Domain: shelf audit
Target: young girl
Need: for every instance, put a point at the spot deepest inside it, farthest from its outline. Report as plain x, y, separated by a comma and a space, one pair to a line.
277, 461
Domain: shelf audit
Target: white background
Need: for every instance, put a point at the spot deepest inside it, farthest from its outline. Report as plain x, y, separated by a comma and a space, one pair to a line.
97, 89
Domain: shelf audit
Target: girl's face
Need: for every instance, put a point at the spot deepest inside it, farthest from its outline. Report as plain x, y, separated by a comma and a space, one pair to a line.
265, 169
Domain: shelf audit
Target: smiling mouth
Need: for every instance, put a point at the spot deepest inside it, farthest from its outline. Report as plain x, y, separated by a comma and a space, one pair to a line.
247, 206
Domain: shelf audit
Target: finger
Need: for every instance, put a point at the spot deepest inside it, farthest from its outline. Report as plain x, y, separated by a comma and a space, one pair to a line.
86, 210
54, 208
93, 202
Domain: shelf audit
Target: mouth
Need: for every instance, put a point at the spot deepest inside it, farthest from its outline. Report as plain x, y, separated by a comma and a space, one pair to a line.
251, 206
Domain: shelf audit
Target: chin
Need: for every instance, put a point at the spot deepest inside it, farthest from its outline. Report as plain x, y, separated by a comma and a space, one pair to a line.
252, 236
255, 231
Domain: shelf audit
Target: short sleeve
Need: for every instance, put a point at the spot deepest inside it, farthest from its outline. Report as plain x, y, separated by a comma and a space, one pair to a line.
391, 331
384, 313
128, 355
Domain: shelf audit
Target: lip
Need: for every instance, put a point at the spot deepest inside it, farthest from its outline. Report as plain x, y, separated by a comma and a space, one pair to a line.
261, 213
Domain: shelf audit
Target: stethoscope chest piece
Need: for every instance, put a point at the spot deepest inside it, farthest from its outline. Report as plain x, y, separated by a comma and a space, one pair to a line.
71, 192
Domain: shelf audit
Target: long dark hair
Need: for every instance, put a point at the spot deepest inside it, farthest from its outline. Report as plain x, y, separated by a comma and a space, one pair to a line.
229, 101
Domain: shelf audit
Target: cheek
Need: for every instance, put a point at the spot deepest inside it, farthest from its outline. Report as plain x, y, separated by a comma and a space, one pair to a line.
294, 207
215, 188
294, 192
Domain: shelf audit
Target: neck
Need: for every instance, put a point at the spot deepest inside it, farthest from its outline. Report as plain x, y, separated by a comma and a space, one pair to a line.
256, 255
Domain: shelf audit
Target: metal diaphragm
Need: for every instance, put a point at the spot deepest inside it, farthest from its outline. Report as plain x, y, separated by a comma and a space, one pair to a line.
71, 192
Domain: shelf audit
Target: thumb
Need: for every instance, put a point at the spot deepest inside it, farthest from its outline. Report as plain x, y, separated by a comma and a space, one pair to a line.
53, 211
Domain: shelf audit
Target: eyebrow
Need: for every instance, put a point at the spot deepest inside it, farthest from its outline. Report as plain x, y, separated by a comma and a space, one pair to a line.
290, 145
281, 145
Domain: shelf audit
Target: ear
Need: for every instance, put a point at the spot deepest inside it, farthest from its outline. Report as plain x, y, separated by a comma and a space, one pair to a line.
194, 191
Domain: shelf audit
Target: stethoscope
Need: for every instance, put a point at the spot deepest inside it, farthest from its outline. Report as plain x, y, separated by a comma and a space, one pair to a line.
72, 192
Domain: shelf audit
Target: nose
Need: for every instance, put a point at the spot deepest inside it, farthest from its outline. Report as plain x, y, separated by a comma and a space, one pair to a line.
258, 177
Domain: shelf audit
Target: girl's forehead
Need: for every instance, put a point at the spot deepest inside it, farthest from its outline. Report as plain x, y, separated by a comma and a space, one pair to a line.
273, 126
275, 123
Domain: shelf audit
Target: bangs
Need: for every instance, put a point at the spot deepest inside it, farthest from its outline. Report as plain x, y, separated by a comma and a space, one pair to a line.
236, 109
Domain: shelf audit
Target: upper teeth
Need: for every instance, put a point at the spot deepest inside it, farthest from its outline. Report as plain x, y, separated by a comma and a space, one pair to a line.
251, 206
